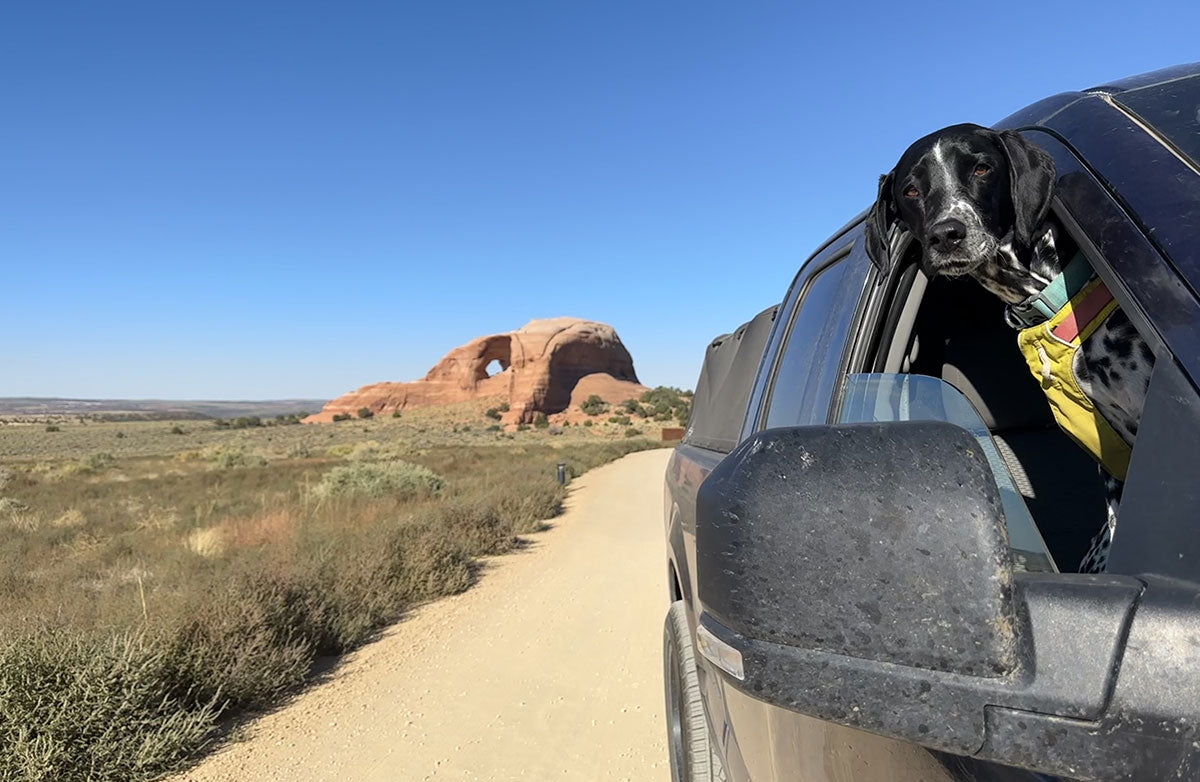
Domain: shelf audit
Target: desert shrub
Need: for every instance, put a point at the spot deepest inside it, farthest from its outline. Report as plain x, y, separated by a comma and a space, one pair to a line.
177, 429
541, 421
522, 427
632, 431
81, 708
120, 435
96, 462
395, 414
10, 505
369, 451
341, 417
503, 407
495, 428
594, 405
619, 420
243, 422
478, 523
394, 479
52, 428
230, 458
671, 397
365, 412
493, 413
587, 422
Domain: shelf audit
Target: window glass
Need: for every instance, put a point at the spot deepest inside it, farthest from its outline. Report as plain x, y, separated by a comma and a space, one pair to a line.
877, 398
812, 358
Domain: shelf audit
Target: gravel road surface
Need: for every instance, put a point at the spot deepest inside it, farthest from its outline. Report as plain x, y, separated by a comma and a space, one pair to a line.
548, 669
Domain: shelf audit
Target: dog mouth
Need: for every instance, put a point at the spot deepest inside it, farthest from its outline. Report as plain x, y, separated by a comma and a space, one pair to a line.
957, 265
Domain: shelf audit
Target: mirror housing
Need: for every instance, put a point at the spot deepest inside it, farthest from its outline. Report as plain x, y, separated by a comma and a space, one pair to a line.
860, 574
899, 527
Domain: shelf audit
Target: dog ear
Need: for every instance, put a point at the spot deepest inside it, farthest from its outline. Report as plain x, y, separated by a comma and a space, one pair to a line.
879, 222
1032, 175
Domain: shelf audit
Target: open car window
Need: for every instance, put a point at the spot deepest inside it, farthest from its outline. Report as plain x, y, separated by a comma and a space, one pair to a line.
882, 398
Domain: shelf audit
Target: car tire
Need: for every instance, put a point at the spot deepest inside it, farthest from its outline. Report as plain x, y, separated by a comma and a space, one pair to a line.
693, 755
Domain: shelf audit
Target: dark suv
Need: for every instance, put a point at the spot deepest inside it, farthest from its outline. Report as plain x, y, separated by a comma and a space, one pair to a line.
873, 521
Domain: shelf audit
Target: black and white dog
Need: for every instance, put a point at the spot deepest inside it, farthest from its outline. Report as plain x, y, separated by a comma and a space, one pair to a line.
978, 202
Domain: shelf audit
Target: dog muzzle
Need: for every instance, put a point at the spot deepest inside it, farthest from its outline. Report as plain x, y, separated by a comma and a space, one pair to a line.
1053, 324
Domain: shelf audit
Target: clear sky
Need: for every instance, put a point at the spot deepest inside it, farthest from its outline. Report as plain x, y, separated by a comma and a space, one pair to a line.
285, 199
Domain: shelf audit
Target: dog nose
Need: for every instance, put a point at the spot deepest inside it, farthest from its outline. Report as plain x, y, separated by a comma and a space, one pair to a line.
947, 234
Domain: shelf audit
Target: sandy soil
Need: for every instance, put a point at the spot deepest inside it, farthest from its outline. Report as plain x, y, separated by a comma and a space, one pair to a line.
549, 668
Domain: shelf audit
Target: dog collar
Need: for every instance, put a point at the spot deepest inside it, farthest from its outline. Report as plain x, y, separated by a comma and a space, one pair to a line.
1042, 306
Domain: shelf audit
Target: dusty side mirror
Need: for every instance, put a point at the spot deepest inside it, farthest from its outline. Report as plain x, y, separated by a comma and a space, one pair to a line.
861, 574
882, 541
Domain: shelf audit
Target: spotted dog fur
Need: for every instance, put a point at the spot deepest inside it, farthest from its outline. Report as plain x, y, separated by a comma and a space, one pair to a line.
978, 202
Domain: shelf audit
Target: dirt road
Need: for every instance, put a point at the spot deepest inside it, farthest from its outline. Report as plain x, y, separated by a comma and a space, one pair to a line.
548, 669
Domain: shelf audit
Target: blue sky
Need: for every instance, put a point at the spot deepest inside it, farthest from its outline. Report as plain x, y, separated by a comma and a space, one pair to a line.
252, 200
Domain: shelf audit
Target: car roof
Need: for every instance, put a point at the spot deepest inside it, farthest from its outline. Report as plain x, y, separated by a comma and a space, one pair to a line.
1148, 79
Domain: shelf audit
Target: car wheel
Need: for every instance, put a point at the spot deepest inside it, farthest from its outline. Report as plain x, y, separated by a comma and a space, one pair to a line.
689, 742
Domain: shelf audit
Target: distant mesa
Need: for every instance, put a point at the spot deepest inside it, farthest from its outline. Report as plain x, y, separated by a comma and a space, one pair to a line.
546, 366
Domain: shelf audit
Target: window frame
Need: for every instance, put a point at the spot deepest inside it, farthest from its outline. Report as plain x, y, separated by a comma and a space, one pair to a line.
847, 245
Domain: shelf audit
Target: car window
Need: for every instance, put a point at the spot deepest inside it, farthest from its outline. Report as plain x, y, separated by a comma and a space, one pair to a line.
877, 398
811, 359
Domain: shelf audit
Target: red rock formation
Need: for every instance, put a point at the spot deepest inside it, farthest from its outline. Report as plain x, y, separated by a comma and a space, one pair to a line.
545, 365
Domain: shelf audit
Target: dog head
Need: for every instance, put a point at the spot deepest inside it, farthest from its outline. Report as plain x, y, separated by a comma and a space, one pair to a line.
963, 192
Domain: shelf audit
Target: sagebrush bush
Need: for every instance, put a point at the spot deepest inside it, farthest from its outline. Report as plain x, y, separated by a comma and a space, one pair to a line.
594, 405
96, 462
368, 479
365, 412
78, 707
230, 458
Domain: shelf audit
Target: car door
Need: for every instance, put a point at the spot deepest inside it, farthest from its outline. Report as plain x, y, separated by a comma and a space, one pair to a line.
829, 310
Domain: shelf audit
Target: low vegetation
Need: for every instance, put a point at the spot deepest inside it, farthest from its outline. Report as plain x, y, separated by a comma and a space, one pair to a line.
154, 585
594, 405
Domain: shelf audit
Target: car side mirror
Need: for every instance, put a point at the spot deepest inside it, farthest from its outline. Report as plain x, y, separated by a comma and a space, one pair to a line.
861, 574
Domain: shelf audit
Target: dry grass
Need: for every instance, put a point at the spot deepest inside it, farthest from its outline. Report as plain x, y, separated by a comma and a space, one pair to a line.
145, 595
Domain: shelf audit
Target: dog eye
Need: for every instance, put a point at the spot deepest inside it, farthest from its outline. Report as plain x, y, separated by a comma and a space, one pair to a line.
982, 169
911, 192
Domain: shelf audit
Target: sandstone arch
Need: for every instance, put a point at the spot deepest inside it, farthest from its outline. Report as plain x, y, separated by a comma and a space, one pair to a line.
543, 364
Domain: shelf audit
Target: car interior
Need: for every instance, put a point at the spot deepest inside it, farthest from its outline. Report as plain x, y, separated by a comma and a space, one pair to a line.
953, 329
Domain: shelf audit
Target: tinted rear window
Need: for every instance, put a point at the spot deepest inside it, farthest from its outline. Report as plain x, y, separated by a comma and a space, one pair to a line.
1173, 109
